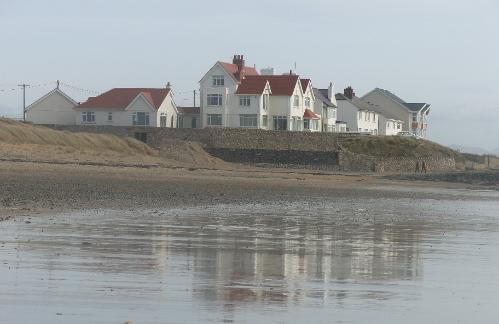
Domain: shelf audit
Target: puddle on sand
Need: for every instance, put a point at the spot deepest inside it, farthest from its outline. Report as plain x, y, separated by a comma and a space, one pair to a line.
345, 260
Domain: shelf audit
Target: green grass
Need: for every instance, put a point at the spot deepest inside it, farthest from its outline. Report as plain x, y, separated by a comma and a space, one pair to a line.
13, 132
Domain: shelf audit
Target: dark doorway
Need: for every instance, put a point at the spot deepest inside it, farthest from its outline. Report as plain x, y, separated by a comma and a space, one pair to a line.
141, 137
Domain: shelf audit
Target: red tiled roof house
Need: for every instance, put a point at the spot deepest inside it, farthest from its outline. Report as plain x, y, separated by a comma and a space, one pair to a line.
234, 95
153, 107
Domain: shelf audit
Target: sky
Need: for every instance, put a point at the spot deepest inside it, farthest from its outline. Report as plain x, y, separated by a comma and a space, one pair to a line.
444, 52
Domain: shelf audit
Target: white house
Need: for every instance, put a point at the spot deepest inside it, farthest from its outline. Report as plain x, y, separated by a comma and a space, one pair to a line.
360, 116
234, 95
326, 106
55, 107
218, 93
389, 125
129, 107
413, 115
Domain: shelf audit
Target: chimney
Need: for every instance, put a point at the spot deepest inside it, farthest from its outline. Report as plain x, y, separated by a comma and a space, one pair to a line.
349, 93
330, 91
168, 85
239, 61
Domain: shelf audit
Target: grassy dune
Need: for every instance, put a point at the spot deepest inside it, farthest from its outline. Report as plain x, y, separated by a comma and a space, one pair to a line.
397, 146
12, 132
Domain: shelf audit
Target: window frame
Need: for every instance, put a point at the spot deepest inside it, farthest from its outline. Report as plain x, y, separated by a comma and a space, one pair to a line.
211, 117
244, 101
135, 118
219, 99
85, 117
218, 80
244, 118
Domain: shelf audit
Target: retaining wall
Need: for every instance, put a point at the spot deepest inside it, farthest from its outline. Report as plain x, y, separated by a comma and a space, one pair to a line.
274, 148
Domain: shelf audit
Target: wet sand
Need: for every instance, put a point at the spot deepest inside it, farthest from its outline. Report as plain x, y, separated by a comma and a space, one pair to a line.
94, 244
34, 188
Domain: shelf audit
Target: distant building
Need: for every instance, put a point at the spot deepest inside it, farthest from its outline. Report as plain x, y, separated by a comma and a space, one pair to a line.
360, 116
188, 117
55, 107
326, 106
234, 95
129, 107
413, 115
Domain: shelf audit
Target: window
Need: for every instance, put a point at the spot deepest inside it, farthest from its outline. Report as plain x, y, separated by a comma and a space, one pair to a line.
265, 121
306, 123
109, 116
88, 117
398, 126
296, 102
307, 102
333, 115
248, 120
245, 101
360, 115
265, 102
280, 123
366, 115
360, 130
218, 80
214, 100
140, 118
215, 120
162, 120
414, 117
374, 117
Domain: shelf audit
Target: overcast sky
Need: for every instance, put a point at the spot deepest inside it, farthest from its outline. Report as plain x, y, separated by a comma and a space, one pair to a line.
444, 52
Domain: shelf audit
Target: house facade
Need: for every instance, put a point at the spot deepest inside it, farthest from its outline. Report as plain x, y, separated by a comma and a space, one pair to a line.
189, 117
234, 95
153, 107
413, 115
55, 107
360, 117
326, 106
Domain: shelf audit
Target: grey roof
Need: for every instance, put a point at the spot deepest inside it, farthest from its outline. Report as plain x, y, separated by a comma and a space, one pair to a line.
366, 105
340, 96
415, 106
410, 106
322, 95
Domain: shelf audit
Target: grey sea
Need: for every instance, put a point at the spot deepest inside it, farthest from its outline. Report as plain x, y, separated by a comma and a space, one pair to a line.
426, 259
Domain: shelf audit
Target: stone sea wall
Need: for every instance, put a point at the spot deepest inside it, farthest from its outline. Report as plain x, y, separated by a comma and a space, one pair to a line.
318, 151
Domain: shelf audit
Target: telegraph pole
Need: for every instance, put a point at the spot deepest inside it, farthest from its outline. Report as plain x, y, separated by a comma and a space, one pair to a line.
194, 98
24, 99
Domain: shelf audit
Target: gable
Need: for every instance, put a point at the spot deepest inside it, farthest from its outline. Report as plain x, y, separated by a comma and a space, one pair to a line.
217, 69
140, 103
56, 99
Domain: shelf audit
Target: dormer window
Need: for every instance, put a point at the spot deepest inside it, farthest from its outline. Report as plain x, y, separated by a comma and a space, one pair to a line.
307, 102
218, 80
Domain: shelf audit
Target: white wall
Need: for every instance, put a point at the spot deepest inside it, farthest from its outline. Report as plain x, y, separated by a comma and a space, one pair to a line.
227, 91
55, 108
122, 117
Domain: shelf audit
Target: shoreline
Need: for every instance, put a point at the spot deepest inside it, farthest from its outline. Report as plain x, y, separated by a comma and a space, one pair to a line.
38, 188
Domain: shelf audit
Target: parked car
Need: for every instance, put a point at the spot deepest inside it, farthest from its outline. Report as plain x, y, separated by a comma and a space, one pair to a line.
408, 134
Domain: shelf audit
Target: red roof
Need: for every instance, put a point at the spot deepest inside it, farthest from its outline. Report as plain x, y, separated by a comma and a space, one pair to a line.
232, 69
189, 110
120, 98
309, 114
252, 85
280, 85
304, 84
